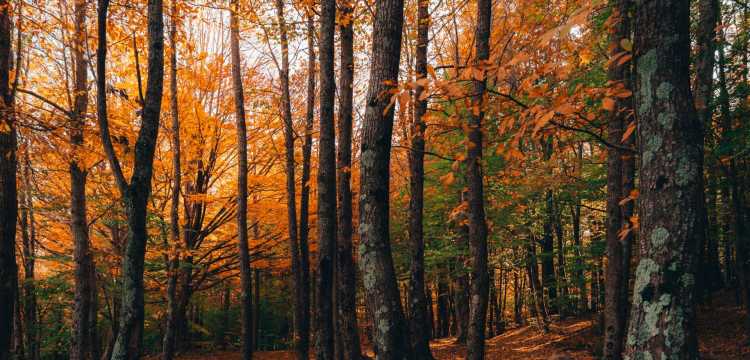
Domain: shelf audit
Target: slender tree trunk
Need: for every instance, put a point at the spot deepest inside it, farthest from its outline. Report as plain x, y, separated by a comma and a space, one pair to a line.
324, 342
256, 318
417, 303
28, 235
173, 264
82, 342
244, 255
548, 245
537, 293
8, 199
291, 199
443, 309
461, 287
303, 331
562, 284
376, 263
477, 222
346, 299
617, 274
671, 149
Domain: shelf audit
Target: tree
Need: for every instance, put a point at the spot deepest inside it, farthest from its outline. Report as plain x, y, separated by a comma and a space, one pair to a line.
135, 193
303, 295
477, 223
173, 262
8, 199
420, 334
324, 342
391, 334
618, 240
239, 113
671, 150
84, 344
346, 280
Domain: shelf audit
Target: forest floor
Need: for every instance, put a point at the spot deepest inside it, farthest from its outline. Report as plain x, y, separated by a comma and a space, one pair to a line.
719, 332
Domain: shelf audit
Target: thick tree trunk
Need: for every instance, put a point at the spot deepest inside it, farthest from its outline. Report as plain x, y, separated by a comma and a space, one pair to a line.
617, 272
8, 199
346, 281
477, 223
671, 149
244, 253
376, 263
173, 264
324, 318
303, 330
420, 335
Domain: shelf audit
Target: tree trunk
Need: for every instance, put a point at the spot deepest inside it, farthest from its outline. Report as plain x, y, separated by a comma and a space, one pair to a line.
376, 263
256, 311
617, 273
173, 264
346, 293
136, 193
303, 331
562, 284
443, 309
671, 149
548, 245
460, 287
84, 327
517, 300
420, 337
477, 222
537, 293
244, 255
324, 341
28, 236
8, 199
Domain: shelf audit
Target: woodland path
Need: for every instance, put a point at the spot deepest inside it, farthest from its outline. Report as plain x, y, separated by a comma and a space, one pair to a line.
719, 330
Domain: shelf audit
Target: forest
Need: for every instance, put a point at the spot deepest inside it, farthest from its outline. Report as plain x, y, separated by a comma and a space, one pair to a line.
374, 179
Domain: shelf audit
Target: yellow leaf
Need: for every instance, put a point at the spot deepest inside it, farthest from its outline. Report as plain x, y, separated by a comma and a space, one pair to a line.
626, 44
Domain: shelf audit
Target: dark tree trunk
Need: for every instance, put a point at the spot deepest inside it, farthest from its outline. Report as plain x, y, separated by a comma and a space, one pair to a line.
420, 337
617, 272
83, 342
460, 288
173, 264
562, 284
346, 281
246, 292
517, 300
579, 273
391, 337
324, 318
136, 193
671, 149
303, 330
477, 223
8, 199
256, 311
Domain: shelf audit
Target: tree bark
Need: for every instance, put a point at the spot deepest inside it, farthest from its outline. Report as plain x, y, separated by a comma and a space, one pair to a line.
420, 335
244, 255
376, 263
617, 272
324, 341
461, 285
8, 199
173, 264
671, 149
477, 223
303, 332
537, 293
346, 293
84, 326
